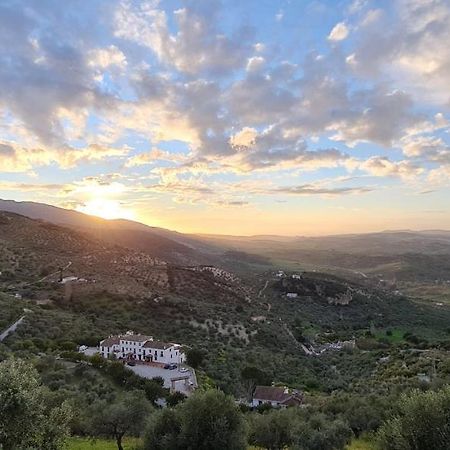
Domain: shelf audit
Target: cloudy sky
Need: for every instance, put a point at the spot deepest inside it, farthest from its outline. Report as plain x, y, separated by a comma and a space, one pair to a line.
243, 117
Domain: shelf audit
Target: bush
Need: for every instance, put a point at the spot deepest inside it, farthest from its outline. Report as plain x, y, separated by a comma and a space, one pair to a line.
422, 421
207, 420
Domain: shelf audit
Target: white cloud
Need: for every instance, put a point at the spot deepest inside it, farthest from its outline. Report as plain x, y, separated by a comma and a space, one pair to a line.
339, 32
197, 45
105, 57
383, 167
255, 63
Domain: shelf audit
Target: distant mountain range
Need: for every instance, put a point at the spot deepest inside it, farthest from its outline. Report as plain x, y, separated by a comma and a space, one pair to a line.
158, 242
399, 254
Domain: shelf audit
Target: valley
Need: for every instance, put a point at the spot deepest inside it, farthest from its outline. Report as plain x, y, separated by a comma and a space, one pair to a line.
334, 335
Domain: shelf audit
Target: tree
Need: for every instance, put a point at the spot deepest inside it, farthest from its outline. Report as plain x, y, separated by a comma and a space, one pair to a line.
194, 357
252, 376
422, 422
175, 397
272, 430
319, 432
211, 419
153, 390
126, 415
206, 420
26, 418
163, 431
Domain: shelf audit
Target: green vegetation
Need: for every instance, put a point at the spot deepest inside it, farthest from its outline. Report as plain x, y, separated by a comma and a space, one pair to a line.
28, 418
207, 420
422, 421
237, 334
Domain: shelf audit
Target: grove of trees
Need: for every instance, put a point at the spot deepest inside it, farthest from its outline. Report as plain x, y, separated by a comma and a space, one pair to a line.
32, 417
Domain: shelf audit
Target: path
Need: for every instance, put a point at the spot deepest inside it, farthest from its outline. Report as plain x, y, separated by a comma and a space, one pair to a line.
11, 329
54, 273
302, 346
263, 289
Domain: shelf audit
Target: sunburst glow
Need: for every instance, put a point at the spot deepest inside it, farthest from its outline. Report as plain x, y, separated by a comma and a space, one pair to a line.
107, 209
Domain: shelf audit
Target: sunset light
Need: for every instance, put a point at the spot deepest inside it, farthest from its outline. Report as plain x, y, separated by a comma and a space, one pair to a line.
225, 224
106, 209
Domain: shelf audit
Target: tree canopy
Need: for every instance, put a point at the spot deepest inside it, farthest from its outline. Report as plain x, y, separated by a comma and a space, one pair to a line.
27, 420
422, 422
207, 420
125, 415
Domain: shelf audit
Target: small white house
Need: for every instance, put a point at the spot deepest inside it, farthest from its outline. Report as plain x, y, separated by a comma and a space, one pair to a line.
278, 397
141, 348
292, 295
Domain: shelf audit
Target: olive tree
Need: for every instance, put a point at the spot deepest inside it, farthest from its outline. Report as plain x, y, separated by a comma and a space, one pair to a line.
272, 430
126, 415
207, 420
26, 418
422, 421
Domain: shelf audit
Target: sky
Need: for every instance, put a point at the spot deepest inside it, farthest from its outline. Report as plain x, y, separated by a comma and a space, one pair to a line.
294, 117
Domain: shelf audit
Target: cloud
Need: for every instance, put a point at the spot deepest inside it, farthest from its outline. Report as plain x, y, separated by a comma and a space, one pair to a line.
75, 88
308, 189
376, 116
33, 187
382, 167
196, 46
339, 32
43, 69
14, 158
106, 57
409, 45
255, 64
155, 154
244, 138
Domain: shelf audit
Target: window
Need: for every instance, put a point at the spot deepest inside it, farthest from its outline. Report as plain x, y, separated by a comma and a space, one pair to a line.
162, 353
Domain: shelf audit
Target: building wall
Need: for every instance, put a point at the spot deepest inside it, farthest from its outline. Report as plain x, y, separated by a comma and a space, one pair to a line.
257, 402
141, 353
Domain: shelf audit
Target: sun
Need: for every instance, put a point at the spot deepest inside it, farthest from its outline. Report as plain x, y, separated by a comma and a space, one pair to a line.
106, 209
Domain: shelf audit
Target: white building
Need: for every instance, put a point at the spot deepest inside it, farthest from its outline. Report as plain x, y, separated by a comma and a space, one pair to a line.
142, 348
292, 295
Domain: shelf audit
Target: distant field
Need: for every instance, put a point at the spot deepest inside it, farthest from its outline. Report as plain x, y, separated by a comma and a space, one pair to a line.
395, 338
77, 443
433, 292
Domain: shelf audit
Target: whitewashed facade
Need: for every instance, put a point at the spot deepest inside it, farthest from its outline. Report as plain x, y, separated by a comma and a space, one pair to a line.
141, 348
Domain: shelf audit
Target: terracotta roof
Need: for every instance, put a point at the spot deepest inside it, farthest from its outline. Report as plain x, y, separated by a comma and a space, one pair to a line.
276, 394
157, 344
109, 342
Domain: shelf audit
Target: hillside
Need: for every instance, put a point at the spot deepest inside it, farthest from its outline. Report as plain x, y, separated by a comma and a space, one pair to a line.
171, 246
35, 254
235, 321
414, 262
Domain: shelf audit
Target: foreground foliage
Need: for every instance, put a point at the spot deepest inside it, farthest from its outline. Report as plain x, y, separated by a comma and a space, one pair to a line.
421, 422
27, 418
207, 420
